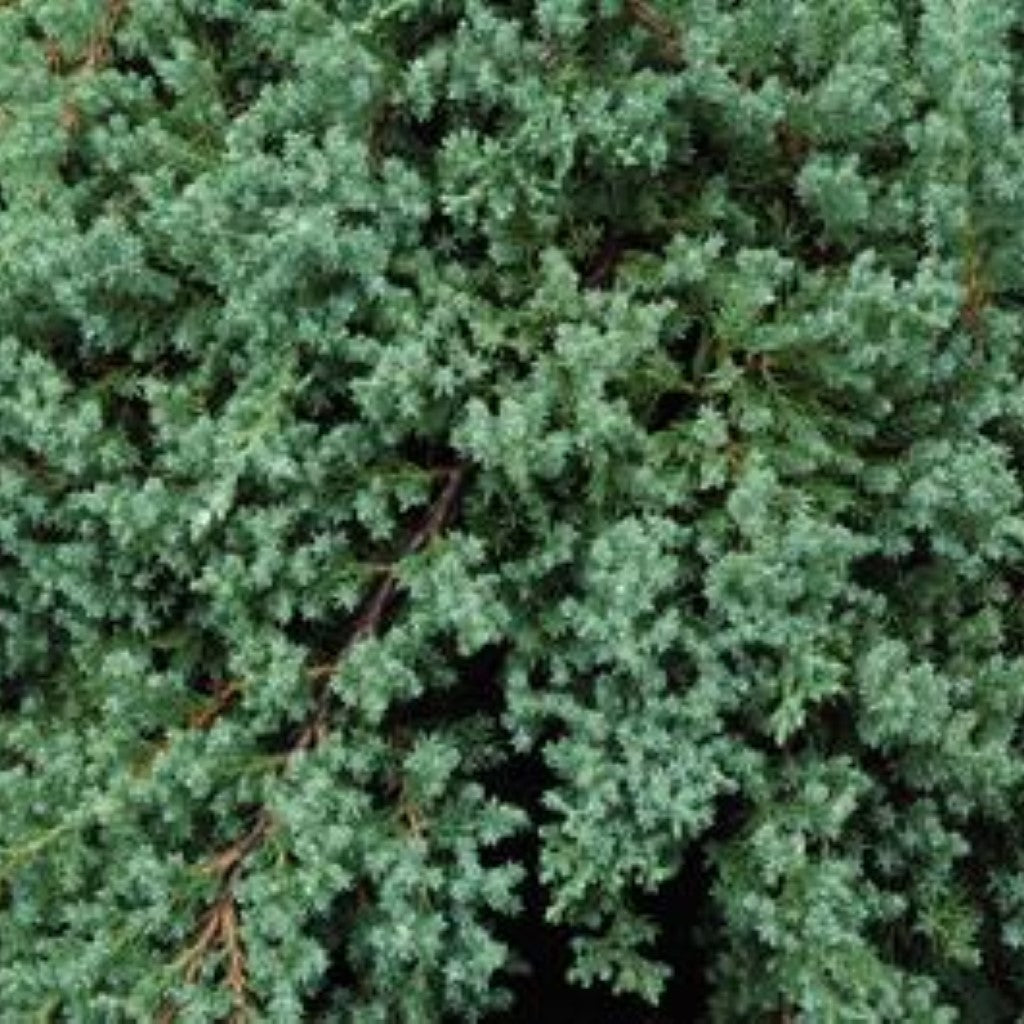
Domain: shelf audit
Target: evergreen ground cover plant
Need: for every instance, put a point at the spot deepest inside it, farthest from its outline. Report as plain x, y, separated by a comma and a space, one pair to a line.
496, 495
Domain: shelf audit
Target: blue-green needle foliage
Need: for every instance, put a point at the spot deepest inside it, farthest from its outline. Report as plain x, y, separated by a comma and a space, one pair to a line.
450, 449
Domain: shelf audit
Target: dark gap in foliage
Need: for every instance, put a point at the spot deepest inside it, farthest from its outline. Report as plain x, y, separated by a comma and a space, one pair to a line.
540, 984
245, 70
1015, 45
885, 157
612, 36
980, 1003
209, 831
245, 89
676, 405
909, 14
84, 368
324, 401
125, 410
679, 907
205, 680
478, 691
616, 206
710, 156
671, 408
877, 571
429, 452
181, 643
274, 144
884, 768
449, 243
410, 43
33, 31
141, 67
13, 690
332, 932
416, 140
820, 252
471, 703
540, 951
617, 241
1002, 965
540, 955
76, 168
315, 635
219, 384
220, 35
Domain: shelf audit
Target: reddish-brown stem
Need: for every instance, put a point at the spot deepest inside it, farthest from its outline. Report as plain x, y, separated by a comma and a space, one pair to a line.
220, 927
662, 28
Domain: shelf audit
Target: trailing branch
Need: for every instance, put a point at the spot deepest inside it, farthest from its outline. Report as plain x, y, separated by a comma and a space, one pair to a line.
221, 927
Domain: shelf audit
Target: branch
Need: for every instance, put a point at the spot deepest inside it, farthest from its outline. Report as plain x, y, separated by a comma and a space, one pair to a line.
226, 863
660, 26
378, 604
97, 50
220, 928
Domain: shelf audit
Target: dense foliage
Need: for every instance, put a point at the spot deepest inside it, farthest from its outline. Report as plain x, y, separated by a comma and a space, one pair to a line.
486, 485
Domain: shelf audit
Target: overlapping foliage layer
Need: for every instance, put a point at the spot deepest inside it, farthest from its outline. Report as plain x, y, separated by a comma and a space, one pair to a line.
455, 450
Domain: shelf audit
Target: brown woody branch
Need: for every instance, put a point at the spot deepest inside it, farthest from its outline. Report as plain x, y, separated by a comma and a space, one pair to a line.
224, 696
98, 52
378, 604
976, 296
95, 57
660, 26
98, 48
220, 928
